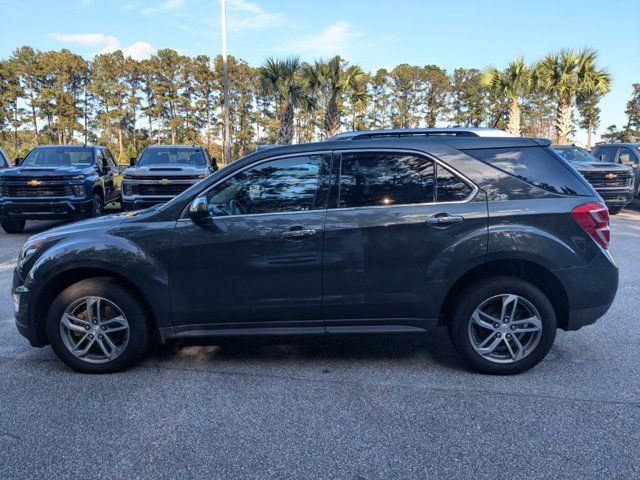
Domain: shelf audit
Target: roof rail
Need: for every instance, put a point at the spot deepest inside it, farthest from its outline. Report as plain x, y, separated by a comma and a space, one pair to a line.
422, 132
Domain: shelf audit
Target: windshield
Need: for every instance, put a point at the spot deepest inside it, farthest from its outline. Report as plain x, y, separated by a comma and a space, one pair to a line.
575, 154
59, 157
173, 156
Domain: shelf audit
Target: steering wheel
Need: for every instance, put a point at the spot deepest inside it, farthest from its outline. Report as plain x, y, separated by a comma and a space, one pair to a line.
236, 207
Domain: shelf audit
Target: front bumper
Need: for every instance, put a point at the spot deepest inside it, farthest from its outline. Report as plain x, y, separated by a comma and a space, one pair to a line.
616, 197
45, 209
25, 325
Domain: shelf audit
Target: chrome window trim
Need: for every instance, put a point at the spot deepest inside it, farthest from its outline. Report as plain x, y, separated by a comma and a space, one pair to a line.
470, 197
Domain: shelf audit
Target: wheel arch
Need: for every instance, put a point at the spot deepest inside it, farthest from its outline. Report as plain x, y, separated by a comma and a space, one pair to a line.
538, 275
58, 283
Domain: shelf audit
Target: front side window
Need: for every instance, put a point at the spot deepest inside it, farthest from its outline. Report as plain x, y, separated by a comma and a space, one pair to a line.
375, 179
59, 157
627, 157
168, 156
284, 185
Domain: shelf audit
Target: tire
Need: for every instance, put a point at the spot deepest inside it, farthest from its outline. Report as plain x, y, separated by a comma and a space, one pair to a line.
495, 292
116, 302
13, 225
615, 210
97, 206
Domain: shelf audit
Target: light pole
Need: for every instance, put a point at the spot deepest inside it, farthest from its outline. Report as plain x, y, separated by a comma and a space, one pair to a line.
225, 82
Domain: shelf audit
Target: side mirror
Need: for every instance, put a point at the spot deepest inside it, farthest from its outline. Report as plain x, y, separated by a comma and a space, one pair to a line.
132, 162
19, 161
198, 209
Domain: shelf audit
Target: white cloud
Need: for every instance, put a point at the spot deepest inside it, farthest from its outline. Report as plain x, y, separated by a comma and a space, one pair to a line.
106, 44
88, 39
245, 15
138, 50
336, 39
165, 6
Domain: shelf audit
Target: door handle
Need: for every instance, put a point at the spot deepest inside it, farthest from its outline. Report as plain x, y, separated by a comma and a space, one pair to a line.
443, 220
298, 234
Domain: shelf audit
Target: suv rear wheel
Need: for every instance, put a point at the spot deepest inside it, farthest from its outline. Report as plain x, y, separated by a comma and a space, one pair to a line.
97, 326
13, 225
503, 325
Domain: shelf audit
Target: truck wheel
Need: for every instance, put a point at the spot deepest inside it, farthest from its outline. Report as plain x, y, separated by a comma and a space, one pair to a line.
502, 325
13, 225
615, 210
98, 326
97, 208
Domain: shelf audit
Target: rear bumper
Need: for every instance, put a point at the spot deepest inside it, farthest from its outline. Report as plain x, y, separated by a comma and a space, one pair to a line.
49, 209
590, 290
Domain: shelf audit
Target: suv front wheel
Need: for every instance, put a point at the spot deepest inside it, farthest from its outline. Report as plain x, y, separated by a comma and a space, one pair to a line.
503, 325
98, 326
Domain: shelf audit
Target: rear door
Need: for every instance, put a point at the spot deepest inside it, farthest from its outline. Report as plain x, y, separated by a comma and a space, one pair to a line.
398, 225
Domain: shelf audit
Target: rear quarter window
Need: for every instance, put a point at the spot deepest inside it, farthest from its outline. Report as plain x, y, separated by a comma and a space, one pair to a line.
535, 165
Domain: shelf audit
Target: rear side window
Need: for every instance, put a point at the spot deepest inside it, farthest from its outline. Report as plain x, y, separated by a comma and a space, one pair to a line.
373, 179
534, 165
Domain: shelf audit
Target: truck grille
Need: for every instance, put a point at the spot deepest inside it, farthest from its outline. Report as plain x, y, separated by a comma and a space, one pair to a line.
35, 187
608, 179
158, 189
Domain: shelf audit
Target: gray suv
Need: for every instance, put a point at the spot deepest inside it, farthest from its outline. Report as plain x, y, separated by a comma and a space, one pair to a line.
163, 172
497, 238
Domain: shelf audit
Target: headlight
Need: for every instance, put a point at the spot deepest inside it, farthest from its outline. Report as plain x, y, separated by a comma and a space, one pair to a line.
128, 177
28, 249
128, 189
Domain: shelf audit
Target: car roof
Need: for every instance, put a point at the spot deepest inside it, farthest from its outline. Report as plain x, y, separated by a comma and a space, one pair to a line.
174, 146
408, 132
70, 146
618, 144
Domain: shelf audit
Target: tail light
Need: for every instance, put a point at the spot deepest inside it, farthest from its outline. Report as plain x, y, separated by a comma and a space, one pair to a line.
593, 217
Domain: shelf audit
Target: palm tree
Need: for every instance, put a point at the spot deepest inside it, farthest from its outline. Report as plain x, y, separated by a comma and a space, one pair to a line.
514, 83
332, 80
565, 75
282, 79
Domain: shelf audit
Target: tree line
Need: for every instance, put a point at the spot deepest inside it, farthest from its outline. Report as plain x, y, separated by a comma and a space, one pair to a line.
126, 104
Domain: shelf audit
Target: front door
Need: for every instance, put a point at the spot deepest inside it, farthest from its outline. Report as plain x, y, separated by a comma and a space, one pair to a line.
399, 228
255, 262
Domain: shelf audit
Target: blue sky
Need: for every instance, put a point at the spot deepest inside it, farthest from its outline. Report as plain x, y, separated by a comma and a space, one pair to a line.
371, 33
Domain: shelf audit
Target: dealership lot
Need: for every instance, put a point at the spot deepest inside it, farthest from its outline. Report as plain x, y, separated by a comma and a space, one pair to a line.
341, 408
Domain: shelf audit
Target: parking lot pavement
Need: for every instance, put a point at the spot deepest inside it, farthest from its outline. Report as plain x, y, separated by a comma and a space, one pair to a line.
345, 408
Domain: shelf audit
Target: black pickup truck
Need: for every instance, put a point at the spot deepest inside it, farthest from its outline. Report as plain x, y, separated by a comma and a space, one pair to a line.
614, 182
58, 182
163, 172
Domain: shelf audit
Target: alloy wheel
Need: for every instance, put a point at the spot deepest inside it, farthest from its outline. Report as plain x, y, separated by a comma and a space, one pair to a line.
94, 330
505, 328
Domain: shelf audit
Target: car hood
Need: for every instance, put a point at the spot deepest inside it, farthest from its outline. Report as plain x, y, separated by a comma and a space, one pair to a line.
53, 172
164, 171
601, 167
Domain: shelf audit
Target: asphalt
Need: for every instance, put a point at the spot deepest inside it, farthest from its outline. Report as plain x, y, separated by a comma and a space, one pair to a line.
365, 408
